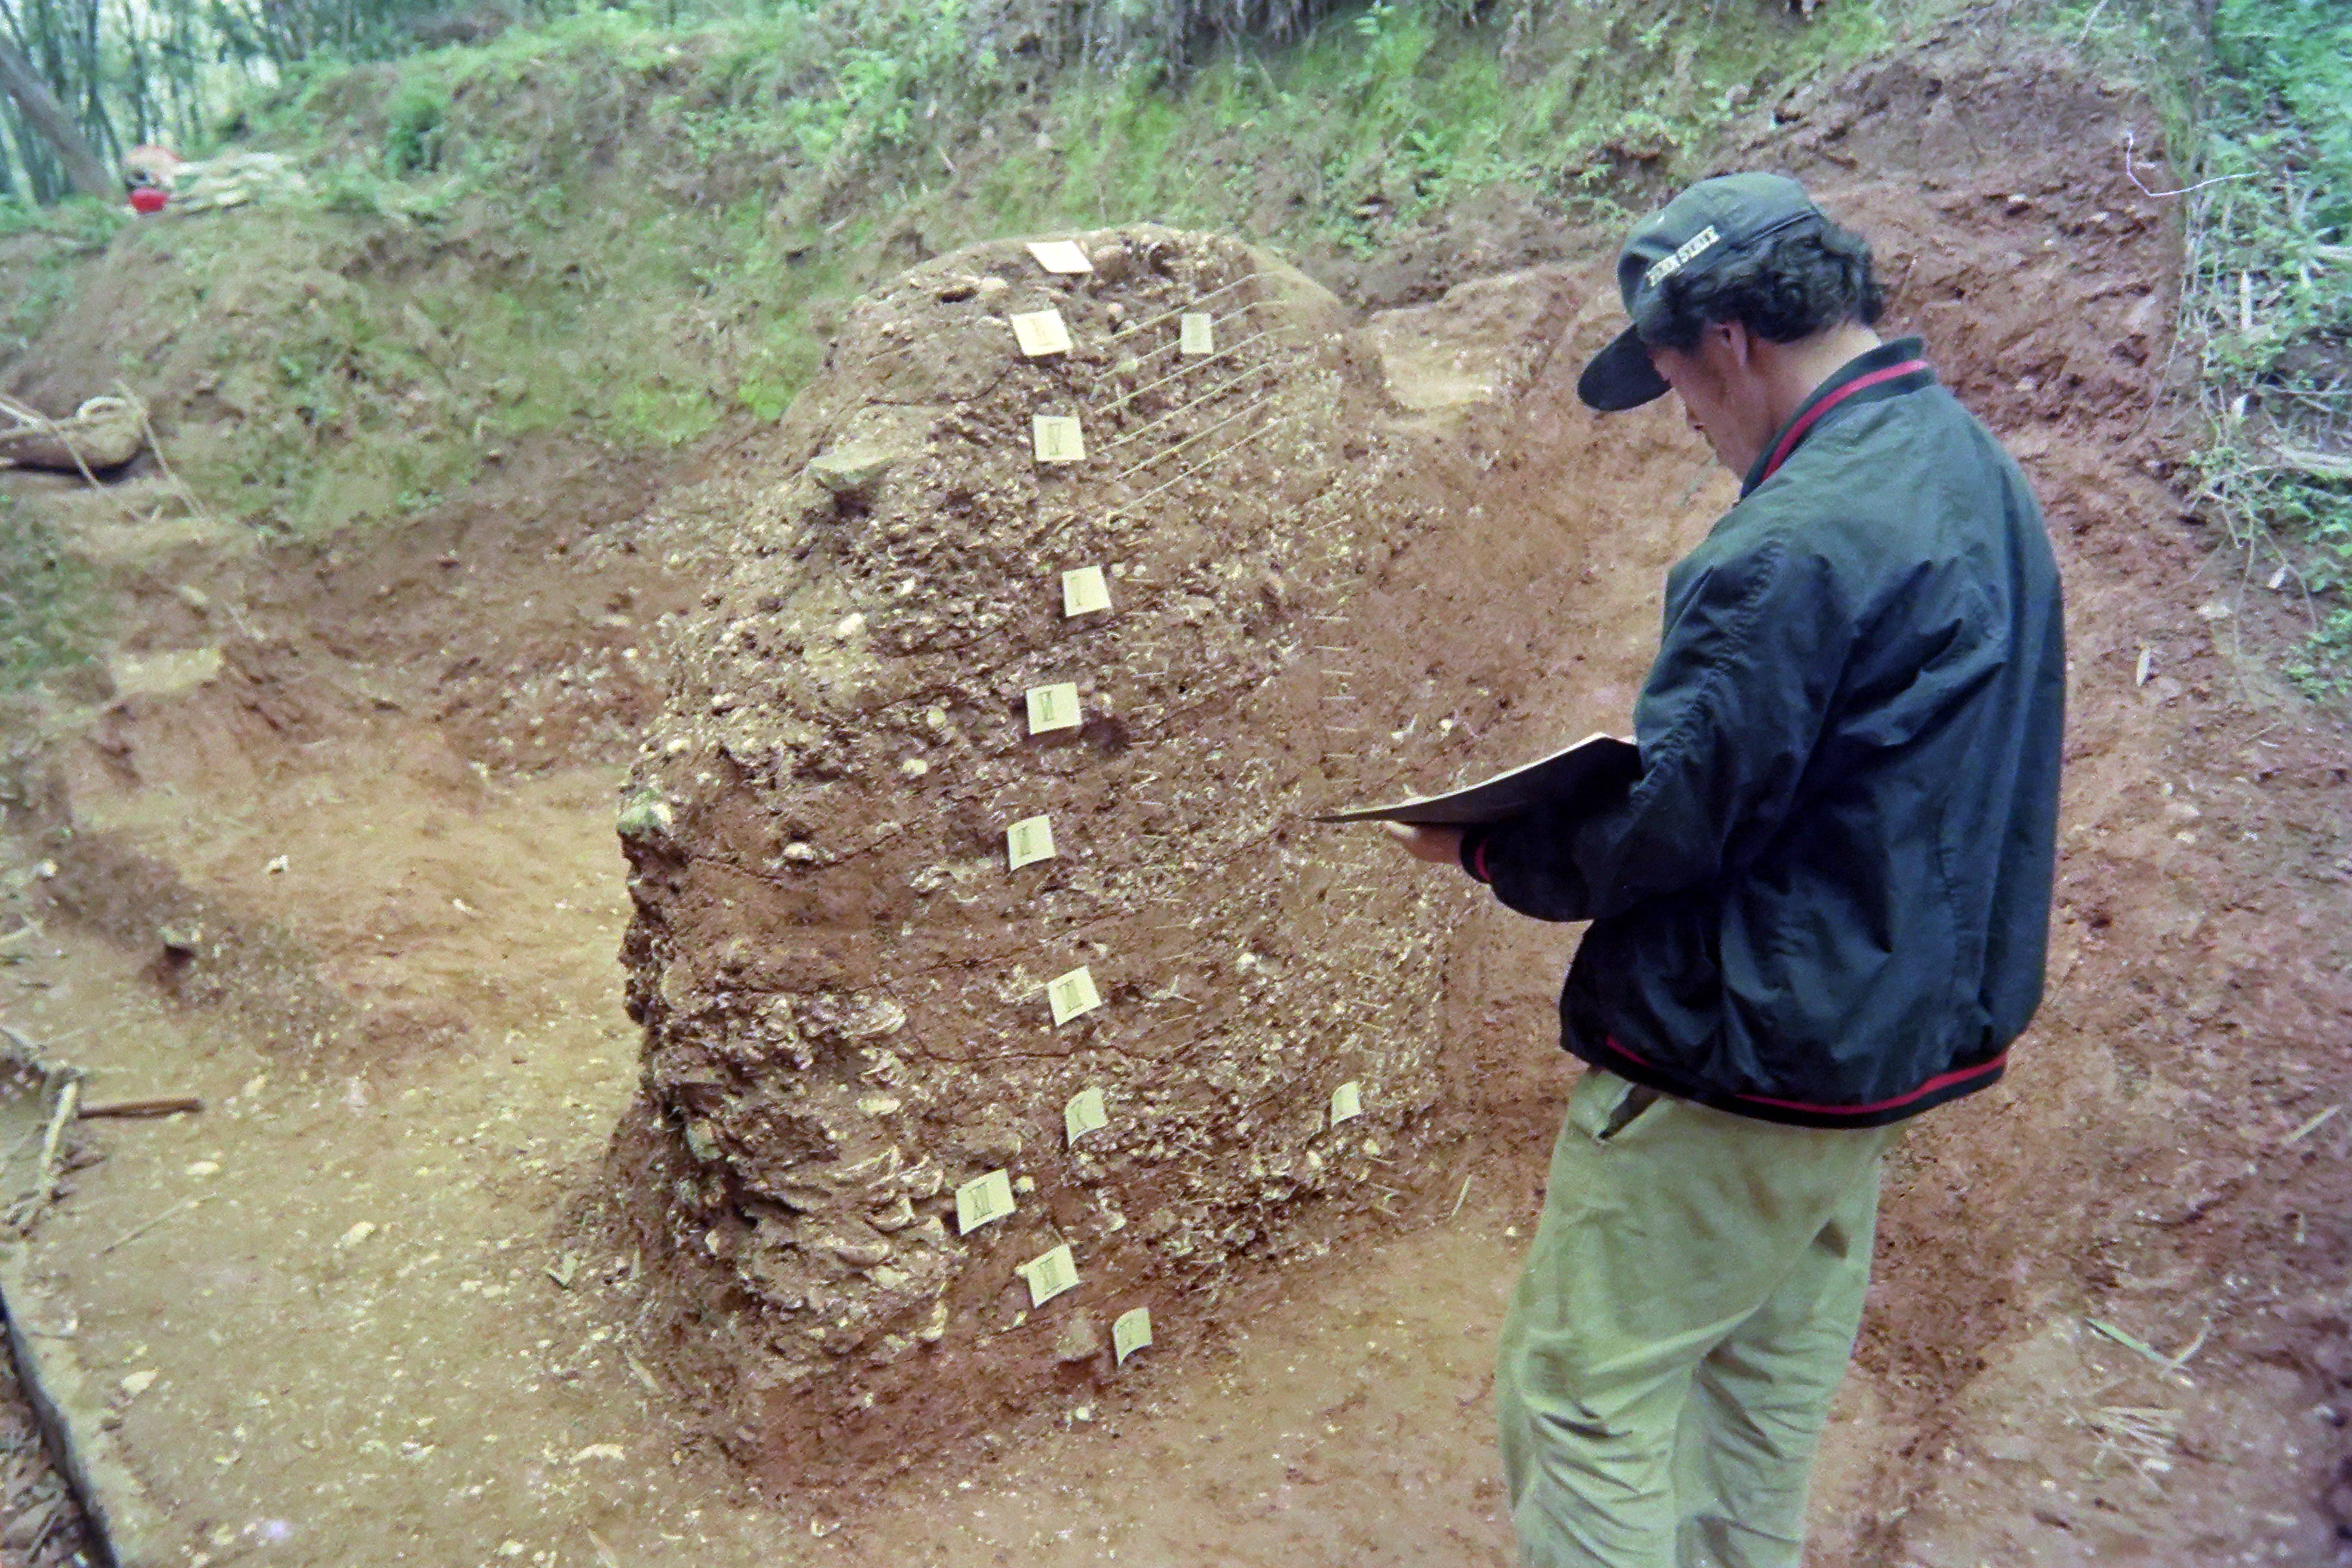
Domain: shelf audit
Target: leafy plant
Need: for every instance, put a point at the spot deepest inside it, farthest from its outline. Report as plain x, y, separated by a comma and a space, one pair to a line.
413, 128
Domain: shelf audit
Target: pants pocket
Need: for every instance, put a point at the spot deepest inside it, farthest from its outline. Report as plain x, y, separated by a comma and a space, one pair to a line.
1603, 1105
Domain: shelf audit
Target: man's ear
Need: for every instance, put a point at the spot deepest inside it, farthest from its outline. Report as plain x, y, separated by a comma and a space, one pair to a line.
1736, 342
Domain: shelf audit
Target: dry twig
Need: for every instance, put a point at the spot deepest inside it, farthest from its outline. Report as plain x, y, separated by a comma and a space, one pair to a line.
147, 429
2132, 175
2308, 1128
160, 1105
136, 1231
2170, 1365
2143, 1434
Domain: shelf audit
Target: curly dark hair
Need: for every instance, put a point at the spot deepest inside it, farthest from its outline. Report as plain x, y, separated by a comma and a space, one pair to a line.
1791, 286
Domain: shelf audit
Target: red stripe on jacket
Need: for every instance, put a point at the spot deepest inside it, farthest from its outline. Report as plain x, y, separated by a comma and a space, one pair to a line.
1940, 1080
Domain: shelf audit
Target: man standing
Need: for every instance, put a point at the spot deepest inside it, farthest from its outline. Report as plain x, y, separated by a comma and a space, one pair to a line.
1818, 910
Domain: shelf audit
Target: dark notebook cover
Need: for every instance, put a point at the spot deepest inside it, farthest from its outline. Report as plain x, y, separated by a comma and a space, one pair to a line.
1575, 779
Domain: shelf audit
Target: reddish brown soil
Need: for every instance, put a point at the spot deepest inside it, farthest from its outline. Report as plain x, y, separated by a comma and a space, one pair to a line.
2141, 1166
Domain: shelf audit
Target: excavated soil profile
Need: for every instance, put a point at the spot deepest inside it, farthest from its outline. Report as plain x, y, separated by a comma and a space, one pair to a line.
337, 854
842, 970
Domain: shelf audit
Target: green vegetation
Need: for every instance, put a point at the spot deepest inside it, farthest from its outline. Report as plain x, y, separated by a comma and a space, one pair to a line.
1385, 115
38, 249
45, 594
618, 225
627, 232
2270, 294
629, 224
2260, 112
122, 74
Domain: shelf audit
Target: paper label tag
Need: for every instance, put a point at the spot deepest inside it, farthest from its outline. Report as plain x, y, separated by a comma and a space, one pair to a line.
1028, 841
1053, 707
1049, 1274
1084, 1114
1084, 591
1129, 1332
1346, 1102
1195, 334
1057, 439
1041, 332
1060, 255
1071, 995
982, 1199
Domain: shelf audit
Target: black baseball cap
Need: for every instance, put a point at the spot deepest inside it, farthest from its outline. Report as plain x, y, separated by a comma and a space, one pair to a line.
1699, 230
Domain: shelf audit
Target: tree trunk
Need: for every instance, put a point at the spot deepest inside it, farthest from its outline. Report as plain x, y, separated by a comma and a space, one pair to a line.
45, 115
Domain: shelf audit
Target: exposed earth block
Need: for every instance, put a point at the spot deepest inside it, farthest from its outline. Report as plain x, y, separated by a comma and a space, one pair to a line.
843, 972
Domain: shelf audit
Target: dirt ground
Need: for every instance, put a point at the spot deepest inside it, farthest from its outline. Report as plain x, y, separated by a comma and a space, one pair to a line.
356, 884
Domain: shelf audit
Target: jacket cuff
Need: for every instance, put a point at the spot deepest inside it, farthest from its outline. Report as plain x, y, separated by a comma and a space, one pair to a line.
1473, 851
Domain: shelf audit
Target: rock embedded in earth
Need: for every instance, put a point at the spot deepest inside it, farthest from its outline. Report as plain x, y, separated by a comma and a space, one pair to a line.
852, 469
1080, 1338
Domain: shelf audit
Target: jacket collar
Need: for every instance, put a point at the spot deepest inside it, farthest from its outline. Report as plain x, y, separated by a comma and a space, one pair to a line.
1890, 369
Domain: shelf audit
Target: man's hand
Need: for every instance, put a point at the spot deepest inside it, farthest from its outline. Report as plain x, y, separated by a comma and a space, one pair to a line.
1438, 846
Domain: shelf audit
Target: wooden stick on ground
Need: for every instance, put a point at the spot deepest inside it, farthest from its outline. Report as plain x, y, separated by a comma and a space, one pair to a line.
136, 1231
68, 1097
155, 445
160, 1105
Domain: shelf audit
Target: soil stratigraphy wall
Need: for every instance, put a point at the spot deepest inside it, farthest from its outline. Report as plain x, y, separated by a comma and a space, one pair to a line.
843, 976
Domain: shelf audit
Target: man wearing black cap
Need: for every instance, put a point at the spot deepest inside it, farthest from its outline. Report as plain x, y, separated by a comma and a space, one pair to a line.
1818, 910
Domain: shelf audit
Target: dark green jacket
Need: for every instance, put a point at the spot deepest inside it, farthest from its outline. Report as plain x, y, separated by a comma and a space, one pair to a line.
1824, 900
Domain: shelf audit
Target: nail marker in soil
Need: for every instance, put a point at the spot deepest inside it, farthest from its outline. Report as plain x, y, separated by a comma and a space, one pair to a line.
1084, 591
982, 1199
1041, 332
1072, 994
1049, 1274
1028, 841
1084, 1114
1060, 255
1346, 1102
1053, 707
1129, 1332
1195, 334
1057, 439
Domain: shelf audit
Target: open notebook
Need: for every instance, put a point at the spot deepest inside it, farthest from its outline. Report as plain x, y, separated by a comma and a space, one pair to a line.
1576, 778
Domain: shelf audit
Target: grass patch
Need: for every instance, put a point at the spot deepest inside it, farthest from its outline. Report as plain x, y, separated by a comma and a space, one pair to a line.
2270, 297
46, 594
629, 233
1385, 115
2260, 109
40, 248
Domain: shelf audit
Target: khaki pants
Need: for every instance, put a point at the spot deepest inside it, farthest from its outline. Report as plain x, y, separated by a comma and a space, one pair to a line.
1688, 1308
